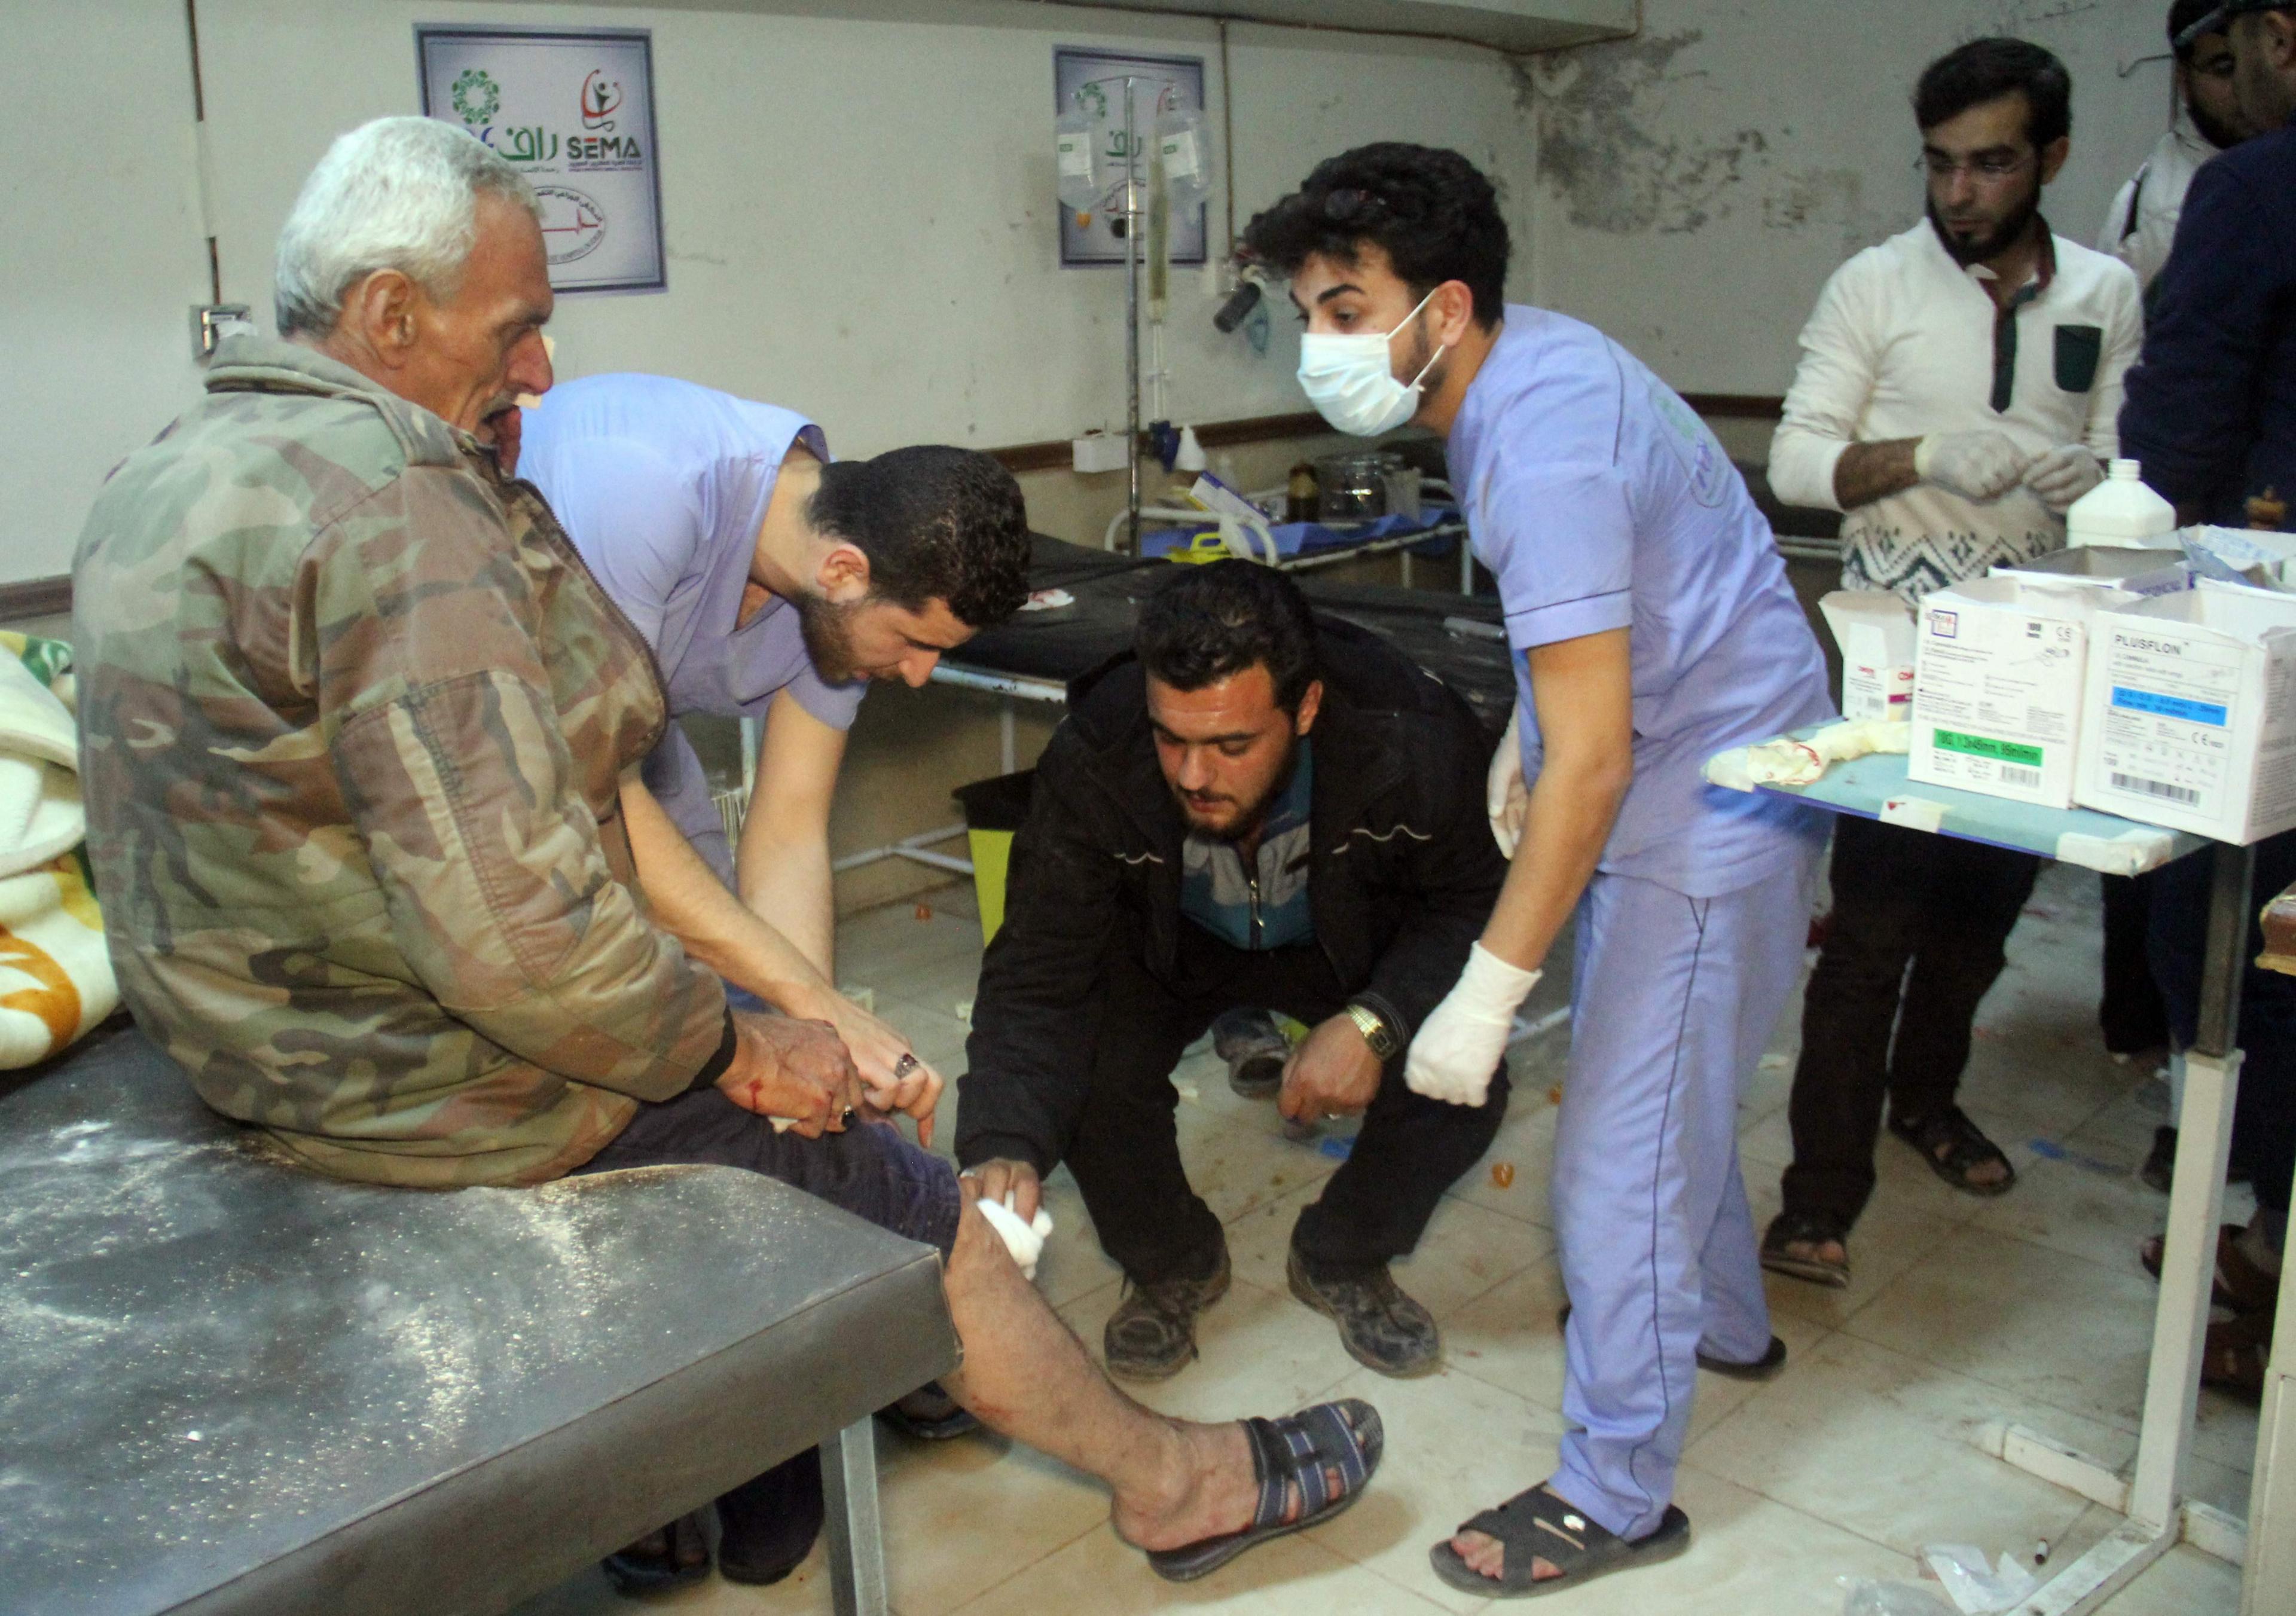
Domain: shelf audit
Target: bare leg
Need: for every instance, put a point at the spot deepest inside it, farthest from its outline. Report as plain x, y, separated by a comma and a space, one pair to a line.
1027, 1375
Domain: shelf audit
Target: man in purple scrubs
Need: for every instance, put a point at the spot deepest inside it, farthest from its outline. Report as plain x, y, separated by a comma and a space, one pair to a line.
772, 583
1653, 626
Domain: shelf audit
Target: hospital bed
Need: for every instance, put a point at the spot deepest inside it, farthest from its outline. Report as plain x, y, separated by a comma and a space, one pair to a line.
229, 1385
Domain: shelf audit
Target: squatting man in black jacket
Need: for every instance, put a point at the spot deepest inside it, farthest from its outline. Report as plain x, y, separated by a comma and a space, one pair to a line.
1257, 808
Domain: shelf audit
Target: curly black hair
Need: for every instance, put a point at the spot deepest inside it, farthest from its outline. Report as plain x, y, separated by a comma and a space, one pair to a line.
1986, 70
1210, 622
1432, 211
937, 524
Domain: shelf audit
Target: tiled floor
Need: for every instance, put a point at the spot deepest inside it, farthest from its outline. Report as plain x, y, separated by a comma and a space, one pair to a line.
1965, 1313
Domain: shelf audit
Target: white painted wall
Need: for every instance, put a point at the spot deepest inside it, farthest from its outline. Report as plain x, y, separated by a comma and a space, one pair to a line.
100, 259
859, 208
1698, 184
860, 211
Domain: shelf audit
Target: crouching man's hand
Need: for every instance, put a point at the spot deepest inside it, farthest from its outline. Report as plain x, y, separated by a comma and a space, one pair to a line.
1333, 1074
994, 1180
783, 1067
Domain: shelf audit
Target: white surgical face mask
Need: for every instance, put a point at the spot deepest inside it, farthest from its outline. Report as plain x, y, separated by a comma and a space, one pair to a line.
1347, 378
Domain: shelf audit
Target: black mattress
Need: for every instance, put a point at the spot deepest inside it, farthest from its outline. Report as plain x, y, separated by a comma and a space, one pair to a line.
1069, 641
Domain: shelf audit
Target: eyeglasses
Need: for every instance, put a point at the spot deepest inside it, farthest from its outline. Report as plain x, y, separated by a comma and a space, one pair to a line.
1989, 166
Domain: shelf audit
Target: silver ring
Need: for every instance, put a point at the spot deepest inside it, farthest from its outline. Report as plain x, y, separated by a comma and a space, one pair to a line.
903, 1067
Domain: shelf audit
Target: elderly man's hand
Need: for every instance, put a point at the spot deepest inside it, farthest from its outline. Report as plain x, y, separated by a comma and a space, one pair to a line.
783, 1067
1333, 1074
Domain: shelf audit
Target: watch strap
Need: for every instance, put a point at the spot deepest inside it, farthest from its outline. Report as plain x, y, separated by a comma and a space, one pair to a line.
1377, 1030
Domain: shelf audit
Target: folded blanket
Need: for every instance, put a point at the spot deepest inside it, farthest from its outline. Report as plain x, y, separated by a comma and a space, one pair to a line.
55, 977
40, 814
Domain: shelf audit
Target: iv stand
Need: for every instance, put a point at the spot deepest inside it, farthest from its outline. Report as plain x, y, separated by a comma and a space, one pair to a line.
1132, 220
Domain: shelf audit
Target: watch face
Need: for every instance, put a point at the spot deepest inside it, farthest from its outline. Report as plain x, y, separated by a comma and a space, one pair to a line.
1374, 1028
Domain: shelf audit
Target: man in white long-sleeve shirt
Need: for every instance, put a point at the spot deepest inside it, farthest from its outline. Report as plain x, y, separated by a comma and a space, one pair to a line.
2142, 222
1959, 383
1958, 388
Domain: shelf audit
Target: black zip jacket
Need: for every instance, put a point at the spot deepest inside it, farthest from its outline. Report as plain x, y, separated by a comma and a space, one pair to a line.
1402, 876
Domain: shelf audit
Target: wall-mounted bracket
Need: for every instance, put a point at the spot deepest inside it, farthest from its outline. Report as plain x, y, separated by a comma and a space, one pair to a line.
211, 323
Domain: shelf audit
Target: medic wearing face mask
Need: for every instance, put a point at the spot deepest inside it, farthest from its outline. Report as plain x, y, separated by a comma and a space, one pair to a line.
1653, 626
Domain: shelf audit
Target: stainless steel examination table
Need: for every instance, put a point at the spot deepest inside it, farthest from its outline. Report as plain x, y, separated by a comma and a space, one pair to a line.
228, 1385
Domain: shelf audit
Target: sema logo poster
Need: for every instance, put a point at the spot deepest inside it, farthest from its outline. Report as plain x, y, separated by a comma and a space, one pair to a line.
573, 111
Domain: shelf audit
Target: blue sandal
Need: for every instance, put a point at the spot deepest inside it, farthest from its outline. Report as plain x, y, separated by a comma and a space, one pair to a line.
1295, 1451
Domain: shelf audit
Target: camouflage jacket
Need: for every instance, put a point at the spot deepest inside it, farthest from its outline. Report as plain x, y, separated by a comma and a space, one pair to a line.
354, 717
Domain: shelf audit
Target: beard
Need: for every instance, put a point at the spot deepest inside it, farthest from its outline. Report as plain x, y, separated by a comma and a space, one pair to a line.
827, 629
1248, 819
1977, 250
1422, 351
2218, 133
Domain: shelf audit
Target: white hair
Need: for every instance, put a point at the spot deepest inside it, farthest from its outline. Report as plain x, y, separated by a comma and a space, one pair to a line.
396, 193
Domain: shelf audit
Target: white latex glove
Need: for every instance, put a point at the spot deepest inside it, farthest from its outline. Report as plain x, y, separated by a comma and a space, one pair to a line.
1460, 1043
2063, 475
1983, 465
1504, 796
1025, 1241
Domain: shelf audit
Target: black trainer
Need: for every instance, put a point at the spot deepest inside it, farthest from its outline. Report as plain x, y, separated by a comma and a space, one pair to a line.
1381, 1327
1152, 1336
1254, 1048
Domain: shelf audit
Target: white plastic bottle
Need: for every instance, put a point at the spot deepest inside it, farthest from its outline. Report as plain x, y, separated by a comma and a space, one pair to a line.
2122, 511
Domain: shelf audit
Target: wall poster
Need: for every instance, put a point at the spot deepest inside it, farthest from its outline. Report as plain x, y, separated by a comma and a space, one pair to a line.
1094, 80
573, 111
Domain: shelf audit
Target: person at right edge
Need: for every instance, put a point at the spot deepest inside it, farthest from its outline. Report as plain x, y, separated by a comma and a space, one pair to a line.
1957, 393
1650, 625
2205, 119
2212, 413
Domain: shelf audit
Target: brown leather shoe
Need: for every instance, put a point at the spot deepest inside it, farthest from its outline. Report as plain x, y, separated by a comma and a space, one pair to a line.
1152, 1336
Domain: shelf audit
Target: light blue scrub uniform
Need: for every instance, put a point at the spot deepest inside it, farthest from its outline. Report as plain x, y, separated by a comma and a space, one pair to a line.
661, 485
1599, 500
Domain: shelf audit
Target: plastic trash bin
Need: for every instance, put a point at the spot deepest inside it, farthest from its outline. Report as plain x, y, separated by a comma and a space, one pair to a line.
994, 809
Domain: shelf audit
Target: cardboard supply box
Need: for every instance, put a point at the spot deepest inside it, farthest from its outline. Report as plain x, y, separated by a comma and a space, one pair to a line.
2190, 712
1998, 687
2143, 573
1875, 632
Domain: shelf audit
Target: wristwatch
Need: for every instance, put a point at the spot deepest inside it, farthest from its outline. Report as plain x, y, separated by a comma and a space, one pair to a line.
1376, 1030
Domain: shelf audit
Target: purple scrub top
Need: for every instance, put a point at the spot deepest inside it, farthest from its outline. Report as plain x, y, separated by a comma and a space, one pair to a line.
1599, 501
662, 484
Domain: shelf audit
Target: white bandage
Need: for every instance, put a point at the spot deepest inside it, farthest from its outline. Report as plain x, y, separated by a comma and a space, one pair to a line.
1785, 761
1463, 1038
1025, 1241
1504, 796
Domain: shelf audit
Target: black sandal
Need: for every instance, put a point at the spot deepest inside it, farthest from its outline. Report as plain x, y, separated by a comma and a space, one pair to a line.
1539, 1525
953, 1420
1813, 1230
1294, 1451
669, 1558
1951, 1143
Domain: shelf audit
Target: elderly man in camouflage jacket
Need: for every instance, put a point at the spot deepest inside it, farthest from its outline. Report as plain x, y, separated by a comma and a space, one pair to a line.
356, 724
